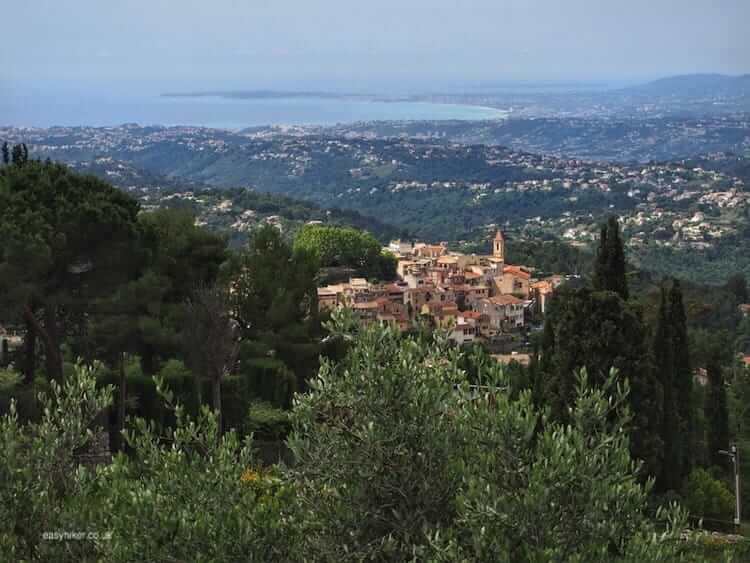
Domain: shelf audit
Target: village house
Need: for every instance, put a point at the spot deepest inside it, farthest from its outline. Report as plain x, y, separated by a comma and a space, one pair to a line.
514, 281
466, 329
471, 296
505, 312
541, 292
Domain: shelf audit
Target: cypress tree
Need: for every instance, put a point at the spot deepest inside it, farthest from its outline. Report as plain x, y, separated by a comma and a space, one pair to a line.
17, 155
601, 261
670, 476
716, 410
6, 153
609, 268
682, 376
600, 331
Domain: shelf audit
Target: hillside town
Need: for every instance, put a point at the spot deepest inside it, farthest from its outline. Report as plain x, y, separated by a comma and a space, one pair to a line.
473, 297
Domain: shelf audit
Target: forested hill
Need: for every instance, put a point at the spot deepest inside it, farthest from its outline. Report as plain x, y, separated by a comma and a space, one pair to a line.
673, 213
235, 211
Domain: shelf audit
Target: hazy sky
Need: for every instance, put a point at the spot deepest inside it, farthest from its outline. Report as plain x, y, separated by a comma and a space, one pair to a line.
353, 44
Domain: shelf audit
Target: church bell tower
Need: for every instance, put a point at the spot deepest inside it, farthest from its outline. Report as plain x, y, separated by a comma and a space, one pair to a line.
498, 246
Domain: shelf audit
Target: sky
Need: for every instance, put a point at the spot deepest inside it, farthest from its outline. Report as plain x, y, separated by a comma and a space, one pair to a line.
353, 45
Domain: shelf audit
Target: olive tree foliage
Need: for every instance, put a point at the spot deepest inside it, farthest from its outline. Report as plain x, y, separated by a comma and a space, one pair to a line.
40, 480
184, 494
398, 458
191, 495
375, 443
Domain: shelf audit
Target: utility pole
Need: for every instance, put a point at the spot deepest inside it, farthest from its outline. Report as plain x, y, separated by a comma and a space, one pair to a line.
734, 454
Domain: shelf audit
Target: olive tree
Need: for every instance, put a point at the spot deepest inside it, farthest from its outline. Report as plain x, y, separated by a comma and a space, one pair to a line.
399, 458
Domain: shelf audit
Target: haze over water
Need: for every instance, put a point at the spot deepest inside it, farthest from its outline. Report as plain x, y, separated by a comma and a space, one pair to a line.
47, 110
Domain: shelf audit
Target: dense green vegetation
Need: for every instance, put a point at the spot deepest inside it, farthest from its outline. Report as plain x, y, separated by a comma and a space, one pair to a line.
181, 349
347, 247
392, 462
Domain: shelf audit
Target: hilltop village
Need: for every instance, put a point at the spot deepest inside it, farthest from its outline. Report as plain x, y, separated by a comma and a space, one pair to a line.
474, 297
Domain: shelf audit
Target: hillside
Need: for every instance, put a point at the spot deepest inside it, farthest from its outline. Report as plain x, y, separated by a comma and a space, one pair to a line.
235, 212
698, 85
674, 213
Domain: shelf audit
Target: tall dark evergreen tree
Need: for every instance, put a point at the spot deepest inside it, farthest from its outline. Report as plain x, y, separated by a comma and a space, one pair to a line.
17, 155
6, 153
737, 284
609, 268
601, 261
717, 413
682, 376
671, 472
599, 331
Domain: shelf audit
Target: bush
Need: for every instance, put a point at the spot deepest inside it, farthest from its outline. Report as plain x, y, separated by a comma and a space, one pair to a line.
184, 495
707, 497
267, 422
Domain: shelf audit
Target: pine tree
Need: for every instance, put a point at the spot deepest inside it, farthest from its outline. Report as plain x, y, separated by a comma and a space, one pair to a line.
6, 153
716, 410
683, 376
609, 268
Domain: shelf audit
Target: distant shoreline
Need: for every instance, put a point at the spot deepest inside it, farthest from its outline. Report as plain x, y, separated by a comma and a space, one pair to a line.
239, 110
263, 95
287, 95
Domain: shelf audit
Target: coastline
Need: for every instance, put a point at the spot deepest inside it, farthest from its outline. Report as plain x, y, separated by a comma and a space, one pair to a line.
219, 112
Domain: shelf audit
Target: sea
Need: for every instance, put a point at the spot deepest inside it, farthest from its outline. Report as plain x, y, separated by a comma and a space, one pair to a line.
106, 110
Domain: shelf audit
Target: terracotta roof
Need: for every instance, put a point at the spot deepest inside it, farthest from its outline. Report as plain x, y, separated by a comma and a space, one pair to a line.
505, 300
331, 290
543, 285
523, 359
516, 271
441, 305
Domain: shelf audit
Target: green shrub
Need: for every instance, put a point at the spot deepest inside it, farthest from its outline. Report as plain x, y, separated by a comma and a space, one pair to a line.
9, 379
707, 497
267, 422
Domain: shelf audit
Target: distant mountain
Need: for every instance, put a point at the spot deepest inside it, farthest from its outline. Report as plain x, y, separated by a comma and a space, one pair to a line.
697, 85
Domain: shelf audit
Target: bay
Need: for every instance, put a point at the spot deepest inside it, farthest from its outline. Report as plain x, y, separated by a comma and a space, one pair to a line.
41, 110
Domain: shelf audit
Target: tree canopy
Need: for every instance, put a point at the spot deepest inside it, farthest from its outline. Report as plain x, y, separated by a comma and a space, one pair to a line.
67, 240
344, 246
